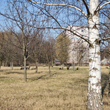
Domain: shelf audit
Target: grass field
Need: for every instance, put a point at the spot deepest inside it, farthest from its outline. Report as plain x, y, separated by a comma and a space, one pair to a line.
62, 90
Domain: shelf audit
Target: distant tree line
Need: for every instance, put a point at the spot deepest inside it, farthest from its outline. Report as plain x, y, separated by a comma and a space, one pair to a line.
11, 49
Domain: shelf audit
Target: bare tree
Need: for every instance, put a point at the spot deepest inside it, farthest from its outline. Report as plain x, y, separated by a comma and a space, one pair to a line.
36, 47
49, 51
2, 48
18, 11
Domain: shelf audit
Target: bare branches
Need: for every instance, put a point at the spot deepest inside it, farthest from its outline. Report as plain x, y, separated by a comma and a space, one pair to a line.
103, 5
60, 5
104, 39
79, 36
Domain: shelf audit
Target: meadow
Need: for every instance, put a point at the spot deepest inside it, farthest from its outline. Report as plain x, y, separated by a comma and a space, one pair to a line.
60, 90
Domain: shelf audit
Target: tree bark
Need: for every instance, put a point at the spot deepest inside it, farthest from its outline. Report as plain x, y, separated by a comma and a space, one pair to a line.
109, 81
12, 65
25, 71
73, 65
49, 68
109, 71
24, 53
94, 83
36, 67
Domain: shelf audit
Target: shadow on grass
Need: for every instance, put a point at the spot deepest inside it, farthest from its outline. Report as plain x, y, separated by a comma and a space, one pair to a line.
104, 81
13, 73
3, 77
47, 76
1, 70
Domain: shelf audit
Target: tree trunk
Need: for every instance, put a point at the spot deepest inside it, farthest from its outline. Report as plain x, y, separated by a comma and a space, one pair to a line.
36, 67
52, 63
24, 53
25, 71
12, 65
109, 81
94, 83
73, 64
49, 68
3, 64
0, 64
109, 71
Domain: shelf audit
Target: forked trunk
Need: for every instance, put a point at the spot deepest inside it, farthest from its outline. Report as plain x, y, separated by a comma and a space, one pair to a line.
94, 83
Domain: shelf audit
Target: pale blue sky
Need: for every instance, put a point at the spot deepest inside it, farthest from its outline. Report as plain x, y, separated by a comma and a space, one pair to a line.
62, 18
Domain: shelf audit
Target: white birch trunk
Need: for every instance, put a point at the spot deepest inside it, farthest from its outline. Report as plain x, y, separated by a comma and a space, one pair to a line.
94, 82
109, 71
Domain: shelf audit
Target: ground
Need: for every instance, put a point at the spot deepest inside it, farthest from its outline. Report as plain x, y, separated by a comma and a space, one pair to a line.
61, 90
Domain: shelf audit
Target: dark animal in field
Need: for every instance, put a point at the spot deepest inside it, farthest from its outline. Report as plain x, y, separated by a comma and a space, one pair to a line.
68, 67
77, 68
22, 67
107, 67
60, 68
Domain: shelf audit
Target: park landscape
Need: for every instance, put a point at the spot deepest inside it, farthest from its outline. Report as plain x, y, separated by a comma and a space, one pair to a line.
60, 34
60, 90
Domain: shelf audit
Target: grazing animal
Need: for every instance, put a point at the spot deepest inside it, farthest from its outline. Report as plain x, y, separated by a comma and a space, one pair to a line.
21, 68
68, 67
107, 67
60, 68
77, 68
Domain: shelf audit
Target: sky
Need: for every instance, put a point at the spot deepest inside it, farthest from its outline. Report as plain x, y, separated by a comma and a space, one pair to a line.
61, 17
67, 15
3, 19
2, 6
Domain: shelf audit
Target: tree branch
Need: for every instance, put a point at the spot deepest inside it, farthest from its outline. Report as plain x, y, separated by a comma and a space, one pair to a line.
60, 5
67, 30
86, 7
44, 27
105, 38
103, 5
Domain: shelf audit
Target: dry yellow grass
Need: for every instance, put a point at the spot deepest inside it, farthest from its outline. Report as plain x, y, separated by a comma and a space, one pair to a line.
62, 90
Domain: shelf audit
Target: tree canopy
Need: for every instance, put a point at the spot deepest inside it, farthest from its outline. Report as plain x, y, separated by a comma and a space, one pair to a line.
62, 46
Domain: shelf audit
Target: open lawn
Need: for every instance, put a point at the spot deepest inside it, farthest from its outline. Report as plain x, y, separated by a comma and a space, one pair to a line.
62, 90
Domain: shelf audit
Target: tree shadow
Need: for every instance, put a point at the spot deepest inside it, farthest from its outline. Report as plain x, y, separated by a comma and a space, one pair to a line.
13, 73
47, 76
3, 77
104, 78
1, 70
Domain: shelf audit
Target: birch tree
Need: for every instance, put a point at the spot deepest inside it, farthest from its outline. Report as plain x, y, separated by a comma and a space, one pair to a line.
91, 11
